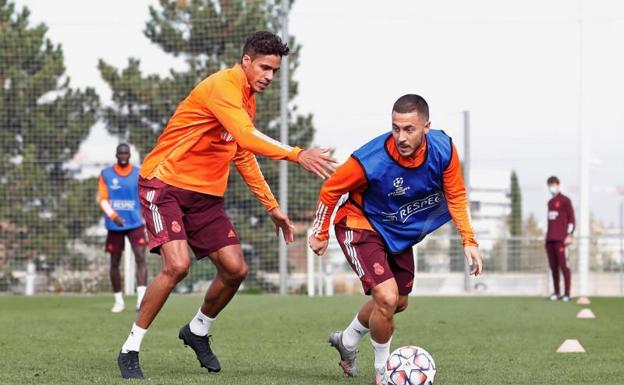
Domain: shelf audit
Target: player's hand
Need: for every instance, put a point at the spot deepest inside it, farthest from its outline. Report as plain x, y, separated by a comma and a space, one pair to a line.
318, 161
319, 247
282, 222
568, 240
119, 221
473, 257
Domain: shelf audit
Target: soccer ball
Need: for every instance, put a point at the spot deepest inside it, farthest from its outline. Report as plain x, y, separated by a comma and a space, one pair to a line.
410, 365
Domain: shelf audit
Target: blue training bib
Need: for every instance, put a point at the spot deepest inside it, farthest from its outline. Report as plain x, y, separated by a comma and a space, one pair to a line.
405, 204
123, 195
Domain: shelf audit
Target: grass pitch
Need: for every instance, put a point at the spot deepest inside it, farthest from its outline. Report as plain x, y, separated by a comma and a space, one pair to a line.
275, 340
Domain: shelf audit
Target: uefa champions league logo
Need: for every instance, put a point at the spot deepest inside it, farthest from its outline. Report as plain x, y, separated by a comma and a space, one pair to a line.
398, 187
115, 184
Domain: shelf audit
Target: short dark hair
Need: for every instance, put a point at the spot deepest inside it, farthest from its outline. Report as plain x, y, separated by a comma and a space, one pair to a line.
265, 43
412, 103
552, 180
120, 145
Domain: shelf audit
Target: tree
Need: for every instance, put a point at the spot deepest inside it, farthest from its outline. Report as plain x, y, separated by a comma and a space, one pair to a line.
42, 123
515, 223
209, 35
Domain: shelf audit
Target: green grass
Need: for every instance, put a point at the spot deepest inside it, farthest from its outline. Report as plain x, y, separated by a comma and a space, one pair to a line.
282, 340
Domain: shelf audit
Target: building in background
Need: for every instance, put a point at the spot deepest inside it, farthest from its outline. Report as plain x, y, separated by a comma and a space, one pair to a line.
490, 205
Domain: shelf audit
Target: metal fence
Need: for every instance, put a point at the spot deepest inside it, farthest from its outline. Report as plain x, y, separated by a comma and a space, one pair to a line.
55, 138
512, 266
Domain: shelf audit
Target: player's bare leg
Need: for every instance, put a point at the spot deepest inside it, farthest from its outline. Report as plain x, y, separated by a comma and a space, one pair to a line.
381, 324
348, 340
366, 310
115, 277
141, 273
175, 266
231, 272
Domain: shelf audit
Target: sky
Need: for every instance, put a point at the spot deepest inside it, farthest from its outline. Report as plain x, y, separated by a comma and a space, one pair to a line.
529, 72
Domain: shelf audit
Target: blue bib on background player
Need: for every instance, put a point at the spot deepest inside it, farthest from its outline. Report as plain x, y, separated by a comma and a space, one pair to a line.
123, 195
405, 204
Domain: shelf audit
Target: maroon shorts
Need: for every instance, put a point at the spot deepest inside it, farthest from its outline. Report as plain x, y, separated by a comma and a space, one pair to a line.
172, 213
115, 239
367, 254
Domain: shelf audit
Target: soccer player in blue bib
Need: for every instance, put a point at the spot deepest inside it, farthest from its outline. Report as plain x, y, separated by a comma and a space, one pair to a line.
118, 198
402, 186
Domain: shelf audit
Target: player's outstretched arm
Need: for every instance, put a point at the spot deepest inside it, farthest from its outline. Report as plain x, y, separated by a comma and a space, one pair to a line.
348, 177
317, 161
247, 166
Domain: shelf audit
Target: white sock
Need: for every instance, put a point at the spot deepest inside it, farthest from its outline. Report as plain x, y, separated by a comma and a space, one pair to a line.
382, 352
200, 324
133, 343
140, 294
119, 298
353, 334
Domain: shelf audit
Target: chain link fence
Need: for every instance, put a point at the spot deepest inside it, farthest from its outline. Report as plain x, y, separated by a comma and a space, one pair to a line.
55, 138
512, 266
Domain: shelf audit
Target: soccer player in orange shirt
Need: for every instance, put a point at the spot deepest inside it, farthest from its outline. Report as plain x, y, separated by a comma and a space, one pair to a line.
402, 186
181, 187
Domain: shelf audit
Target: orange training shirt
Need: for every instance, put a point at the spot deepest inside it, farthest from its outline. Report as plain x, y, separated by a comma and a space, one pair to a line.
210, 128
350, 178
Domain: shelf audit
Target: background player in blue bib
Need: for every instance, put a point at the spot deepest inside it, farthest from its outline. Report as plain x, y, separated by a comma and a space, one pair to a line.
118, 197
402, 186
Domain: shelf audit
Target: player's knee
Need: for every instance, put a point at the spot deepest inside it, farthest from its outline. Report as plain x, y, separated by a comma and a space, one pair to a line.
387, 302
177, 269
140, 261
139, 257
237, 274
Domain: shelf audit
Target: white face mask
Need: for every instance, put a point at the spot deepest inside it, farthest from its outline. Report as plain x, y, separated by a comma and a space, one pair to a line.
554, 189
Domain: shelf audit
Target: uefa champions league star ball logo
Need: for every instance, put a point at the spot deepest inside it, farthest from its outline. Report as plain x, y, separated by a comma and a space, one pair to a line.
115, 184
398, 187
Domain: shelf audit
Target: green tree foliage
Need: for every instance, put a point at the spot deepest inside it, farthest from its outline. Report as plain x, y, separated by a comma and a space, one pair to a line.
42, 123
515, 223
208, 36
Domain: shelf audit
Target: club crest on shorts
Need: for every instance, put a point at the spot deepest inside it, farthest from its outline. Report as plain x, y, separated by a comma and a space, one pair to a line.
378, 269
175, 227
231, 234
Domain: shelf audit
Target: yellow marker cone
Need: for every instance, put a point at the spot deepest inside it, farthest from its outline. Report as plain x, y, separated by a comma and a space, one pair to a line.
586, 314
571, 346
583, 301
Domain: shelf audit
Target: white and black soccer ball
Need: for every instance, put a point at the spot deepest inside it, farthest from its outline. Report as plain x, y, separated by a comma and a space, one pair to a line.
410, 365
